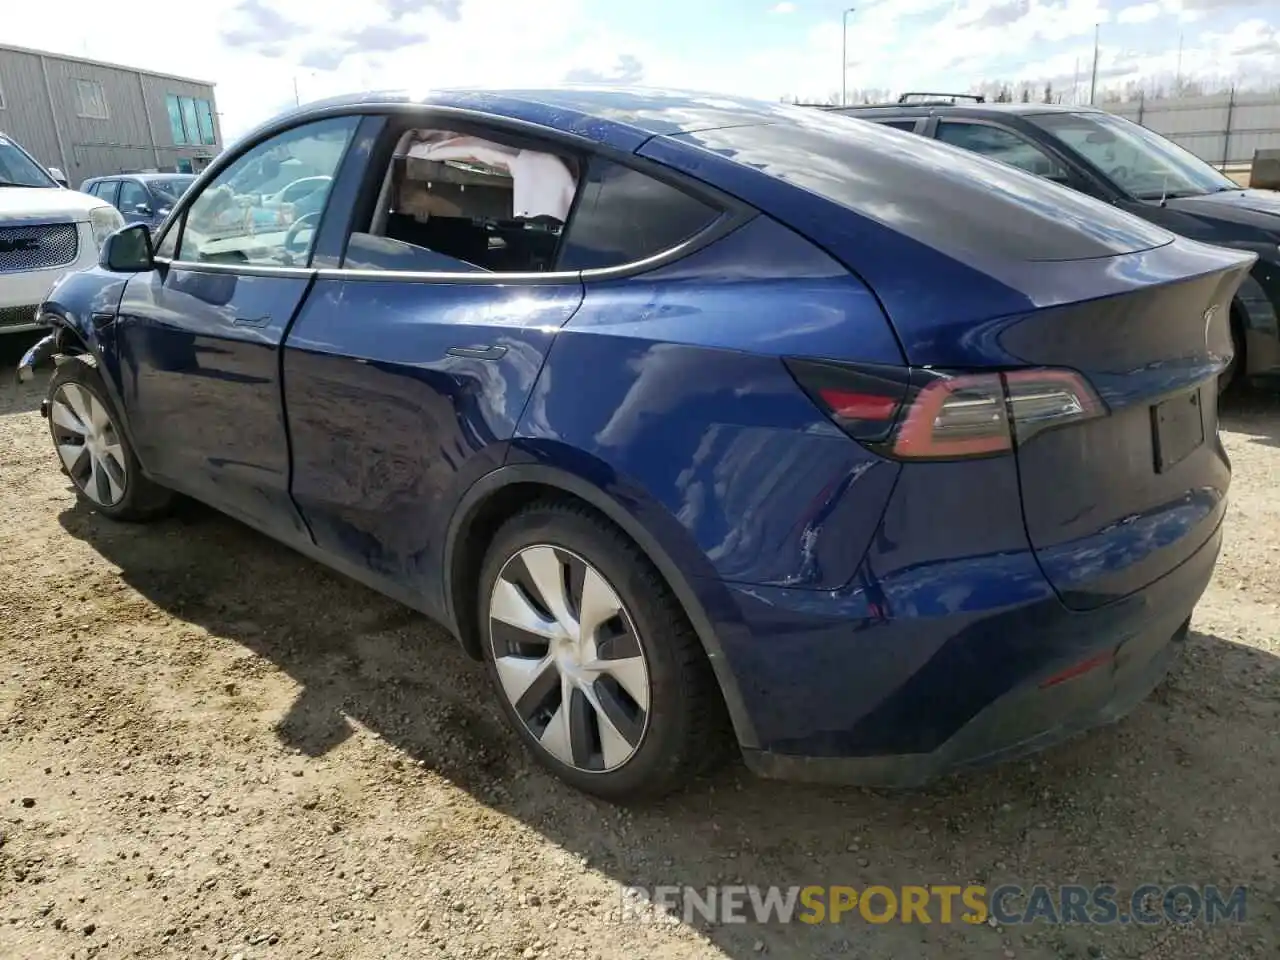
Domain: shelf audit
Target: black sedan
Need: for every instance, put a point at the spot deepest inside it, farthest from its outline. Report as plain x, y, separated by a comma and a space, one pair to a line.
1126, 164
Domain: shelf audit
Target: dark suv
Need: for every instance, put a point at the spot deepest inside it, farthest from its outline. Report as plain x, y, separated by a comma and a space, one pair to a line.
141, 197
1125, 164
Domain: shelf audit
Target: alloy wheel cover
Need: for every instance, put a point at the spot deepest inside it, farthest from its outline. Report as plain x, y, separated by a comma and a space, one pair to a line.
88, 444
568, 658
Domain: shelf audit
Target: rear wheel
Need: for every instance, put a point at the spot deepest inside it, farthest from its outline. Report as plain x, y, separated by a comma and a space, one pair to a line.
1233, 375
593, 660
93, 449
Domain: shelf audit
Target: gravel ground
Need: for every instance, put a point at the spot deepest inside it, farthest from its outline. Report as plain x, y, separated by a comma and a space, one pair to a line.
211, 747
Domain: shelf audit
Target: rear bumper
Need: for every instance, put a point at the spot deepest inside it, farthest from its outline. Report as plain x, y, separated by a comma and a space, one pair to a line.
1125, 649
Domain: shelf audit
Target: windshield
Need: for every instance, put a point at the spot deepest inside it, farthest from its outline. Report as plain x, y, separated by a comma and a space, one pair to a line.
168, 190
19, 170
1140, 162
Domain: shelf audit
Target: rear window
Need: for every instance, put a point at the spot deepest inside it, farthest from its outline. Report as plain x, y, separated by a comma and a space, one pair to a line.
945, 198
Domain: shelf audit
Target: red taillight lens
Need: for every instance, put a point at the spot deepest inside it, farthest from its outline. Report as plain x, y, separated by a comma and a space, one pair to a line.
931, 415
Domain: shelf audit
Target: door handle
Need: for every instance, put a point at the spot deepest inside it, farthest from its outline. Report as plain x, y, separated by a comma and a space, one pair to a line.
102, 320
251, 321
482, 352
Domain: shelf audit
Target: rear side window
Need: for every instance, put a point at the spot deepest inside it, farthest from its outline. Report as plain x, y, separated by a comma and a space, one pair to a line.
1003, 145
106, 189
623, 216
908, 125
457, 203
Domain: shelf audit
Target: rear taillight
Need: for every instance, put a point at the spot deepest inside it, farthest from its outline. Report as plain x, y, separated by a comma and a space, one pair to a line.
923, 414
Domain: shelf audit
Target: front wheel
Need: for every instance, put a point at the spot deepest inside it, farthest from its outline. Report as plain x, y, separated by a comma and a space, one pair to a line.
594, 662
94, 451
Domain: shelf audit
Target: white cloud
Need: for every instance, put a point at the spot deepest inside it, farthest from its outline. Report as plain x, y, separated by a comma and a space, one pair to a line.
784, 8
1142, 13
256, 50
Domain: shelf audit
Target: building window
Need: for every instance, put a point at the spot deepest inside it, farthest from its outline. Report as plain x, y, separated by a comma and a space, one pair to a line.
91, 102
190, 120
205, 111
175, 119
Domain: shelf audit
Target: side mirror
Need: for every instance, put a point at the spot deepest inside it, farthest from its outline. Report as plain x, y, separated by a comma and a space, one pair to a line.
128, 250
58, 175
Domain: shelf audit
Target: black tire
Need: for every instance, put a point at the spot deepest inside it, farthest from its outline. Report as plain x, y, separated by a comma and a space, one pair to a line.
142, 499
1232, 377
687, 730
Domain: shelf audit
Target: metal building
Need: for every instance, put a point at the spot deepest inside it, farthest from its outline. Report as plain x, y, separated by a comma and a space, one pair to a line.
92, 119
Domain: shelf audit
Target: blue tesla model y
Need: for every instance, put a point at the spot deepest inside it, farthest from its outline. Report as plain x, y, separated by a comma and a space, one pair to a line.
695, 419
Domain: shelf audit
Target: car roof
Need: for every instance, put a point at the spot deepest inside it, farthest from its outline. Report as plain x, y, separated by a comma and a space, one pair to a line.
1023, 109
621, 116
139, 176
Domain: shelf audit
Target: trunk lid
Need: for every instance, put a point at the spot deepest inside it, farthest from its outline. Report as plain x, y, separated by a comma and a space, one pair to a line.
1114, 502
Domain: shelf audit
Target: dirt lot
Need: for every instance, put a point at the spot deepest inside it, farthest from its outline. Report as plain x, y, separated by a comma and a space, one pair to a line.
210, 747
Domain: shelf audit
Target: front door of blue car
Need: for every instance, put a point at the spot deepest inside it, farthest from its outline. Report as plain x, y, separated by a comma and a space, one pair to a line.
199, 337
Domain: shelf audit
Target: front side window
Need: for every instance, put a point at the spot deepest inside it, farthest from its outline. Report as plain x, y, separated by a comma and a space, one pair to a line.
132, 196
91, 102
1139, 161
624, 215
234, 220
1003, 145
458, 203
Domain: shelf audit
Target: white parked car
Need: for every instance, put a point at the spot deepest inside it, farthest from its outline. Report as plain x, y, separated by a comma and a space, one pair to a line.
46, 231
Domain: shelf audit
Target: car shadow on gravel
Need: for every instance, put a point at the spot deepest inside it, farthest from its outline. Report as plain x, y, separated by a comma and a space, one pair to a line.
1168, 795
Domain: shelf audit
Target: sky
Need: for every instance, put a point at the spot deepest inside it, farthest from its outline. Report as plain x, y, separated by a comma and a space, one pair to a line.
258, 52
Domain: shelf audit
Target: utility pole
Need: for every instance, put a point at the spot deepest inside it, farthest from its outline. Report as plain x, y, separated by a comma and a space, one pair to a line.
844, 56
1177, 78
297, 101
1093, 81
1075, 85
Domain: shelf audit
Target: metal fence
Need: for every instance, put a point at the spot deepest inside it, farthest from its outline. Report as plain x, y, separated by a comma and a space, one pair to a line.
1223, 128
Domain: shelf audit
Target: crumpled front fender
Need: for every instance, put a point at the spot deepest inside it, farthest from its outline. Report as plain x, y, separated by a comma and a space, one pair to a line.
41, 352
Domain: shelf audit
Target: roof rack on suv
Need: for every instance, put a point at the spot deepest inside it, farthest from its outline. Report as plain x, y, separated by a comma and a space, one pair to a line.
944, 97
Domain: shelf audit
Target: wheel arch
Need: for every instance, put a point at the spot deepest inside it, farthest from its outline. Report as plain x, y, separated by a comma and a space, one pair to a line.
1254, 318
500, 494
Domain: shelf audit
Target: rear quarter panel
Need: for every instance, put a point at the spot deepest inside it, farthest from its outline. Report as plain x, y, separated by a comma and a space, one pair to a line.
668, 390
